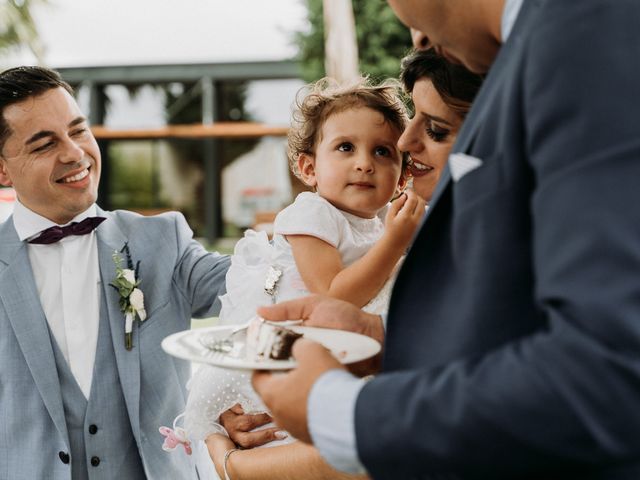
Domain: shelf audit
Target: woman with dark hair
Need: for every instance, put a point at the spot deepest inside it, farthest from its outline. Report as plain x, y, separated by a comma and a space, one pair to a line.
442, 94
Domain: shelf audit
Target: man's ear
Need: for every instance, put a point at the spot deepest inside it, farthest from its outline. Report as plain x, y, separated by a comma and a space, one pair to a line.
307, 169
4, 174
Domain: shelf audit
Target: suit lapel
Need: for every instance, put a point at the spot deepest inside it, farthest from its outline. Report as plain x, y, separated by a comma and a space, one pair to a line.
110, 240
20, 298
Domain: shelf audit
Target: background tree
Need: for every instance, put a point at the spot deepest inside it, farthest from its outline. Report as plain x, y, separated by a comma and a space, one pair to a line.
17, 28
382, 40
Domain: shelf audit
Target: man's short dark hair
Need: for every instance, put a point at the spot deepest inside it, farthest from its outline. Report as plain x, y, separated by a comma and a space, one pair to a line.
20, 83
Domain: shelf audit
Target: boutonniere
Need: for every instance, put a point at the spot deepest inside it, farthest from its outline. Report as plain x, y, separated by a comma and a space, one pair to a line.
131, 297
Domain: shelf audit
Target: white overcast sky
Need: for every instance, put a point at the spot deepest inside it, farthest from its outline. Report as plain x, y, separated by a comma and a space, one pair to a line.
124, 32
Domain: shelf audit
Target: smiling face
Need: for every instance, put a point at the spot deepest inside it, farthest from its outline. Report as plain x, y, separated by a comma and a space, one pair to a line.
429, 137
51, 157
356, 165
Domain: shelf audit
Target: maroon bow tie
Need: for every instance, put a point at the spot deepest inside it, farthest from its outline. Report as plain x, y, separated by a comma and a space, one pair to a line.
55, 234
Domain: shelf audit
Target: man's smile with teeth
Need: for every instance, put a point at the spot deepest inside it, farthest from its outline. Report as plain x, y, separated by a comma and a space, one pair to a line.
75, 178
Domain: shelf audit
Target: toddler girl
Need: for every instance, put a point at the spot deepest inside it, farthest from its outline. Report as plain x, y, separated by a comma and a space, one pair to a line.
343, 239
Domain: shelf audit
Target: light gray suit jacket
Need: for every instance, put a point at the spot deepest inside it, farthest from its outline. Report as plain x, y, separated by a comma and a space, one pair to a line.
180, 280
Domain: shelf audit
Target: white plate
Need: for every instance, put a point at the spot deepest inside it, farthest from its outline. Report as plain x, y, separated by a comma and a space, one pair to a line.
347, 347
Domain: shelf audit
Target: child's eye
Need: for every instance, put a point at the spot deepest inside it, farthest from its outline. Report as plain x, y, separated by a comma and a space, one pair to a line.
382, 151
345, 147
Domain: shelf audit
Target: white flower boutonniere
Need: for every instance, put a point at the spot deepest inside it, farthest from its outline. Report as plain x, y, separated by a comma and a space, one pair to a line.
131, 297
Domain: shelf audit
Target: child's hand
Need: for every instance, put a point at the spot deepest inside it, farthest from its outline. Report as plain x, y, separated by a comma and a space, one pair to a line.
403, 218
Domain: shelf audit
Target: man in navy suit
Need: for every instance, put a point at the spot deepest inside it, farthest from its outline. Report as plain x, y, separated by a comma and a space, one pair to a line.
513, 339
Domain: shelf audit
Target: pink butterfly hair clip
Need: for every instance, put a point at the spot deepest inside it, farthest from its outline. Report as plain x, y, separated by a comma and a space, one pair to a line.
175, 436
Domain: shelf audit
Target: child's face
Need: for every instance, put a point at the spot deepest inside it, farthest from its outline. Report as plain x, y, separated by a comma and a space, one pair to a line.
357, 164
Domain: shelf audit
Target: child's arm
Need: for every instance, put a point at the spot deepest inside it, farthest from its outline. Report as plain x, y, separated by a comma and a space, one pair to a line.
321, 267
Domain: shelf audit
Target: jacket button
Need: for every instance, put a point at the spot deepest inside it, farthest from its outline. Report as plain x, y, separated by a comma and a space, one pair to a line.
64, 457
95, 461
93, 429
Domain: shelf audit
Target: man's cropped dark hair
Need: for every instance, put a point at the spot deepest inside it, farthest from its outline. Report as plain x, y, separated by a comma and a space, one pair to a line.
20, 83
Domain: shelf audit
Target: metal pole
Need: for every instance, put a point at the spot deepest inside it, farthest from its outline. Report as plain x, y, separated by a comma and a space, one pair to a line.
212, 196
96, 117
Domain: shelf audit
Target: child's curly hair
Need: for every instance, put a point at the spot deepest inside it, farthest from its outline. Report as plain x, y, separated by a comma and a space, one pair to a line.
318, 101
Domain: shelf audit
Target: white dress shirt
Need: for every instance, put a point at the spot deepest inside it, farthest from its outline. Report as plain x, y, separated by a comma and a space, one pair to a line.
67, 277
332, 401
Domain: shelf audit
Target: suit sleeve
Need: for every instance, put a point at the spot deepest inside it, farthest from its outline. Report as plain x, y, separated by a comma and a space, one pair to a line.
566, 396
198, 274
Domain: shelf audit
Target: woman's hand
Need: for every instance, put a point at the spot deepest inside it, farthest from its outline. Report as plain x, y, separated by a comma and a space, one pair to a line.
218, 445
240, 428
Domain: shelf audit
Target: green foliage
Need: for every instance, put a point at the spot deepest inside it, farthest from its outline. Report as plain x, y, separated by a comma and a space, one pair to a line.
382, 40
17, 27
131, 175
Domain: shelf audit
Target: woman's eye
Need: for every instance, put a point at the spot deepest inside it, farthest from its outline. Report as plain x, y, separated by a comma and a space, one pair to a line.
383, 151
437, 134
345, 147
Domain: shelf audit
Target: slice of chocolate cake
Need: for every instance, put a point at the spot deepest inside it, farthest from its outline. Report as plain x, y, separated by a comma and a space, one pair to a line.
267, 341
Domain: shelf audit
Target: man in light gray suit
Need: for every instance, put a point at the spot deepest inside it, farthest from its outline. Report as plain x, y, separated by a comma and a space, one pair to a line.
75, 402
512, 347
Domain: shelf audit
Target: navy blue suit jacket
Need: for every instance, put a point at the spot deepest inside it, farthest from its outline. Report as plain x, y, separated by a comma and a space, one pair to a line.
513, 346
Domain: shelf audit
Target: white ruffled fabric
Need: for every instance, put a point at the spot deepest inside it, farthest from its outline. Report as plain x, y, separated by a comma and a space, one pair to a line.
214, 390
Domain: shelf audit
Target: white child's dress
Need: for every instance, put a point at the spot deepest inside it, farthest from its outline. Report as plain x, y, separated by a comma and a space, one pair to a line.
214, 390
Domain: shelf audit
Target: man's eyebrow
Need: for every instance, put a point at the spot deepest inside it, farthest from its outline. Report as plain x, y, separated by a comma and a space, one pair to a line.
76, 121
47, 133
37, 136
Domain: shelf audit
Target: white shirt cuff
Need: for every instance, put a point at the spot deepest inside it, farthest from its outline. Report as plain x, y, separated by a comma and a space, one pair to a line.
331, 417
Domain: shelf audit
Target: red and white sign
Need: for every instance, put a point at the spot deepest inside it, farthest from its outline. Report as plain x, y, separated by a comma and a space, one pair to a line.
7, 199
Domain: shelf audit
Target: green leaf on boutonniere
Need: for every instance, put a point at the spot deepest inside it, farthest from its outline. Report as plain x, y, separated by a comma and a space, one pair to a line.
131, 298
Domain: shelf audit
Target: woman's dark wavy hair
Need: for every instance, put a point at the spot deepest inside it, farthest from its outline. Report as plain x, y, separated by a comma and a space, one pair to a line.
454, 83
18, 84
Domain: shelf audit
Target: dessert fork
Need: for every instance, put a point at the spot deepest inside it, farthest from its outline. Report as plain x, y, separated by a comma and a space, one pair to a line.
225, 344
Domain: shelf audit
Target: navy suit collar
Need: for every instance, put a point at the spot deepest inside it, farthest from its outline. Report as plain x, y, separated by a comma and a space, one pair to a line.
486, 96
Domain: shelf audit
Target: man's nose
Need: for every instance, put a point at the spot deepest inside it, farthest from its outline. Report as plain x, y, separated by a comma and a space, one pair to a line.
71, 152
420, 40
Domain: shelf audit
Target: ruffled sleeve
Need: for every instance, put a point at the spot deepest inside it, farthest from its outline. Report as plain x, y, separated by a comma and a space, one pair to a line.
311, 215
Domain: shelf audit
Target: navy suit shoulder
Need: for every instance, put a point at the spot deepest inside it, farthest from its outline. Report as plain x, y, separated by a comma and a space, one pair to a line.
512, 340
